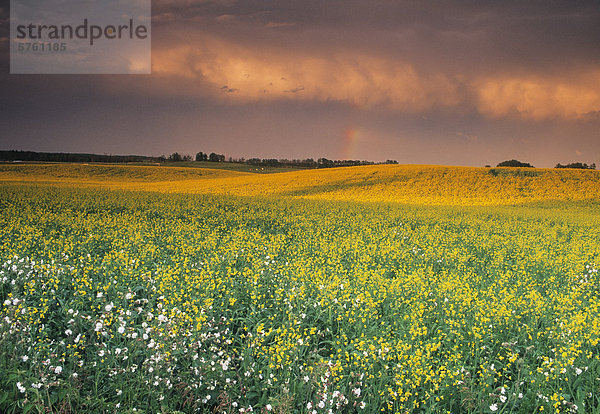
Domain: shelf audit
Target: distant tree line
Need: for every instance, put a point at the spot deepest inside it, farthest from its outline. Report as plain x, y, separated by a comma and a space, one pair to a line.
274, 162
212, 157
515, 163
69, 157
14, 155
578, 165
177, 157
310, 162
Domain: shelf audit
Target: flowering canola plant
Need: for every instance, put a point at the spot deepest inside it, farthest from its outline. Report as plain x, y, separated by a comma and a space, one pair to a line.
114, 300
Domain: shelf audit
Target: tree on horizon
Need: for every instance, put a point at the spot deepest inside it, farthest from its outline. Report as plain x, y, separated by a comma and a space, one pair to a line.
514, 163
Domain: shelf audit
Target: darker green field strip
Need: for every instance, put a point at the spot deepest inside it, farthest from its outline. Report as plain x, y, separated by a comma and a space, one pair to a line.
232, 166
109, 172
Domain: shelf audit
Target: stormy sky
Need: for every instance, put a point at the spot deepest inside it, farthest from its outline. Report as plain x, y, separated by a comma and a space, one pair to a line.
421, 82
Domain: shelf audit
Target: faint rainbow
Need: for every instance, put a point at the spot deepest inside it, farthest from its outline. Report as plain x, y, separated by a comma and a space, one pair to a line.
350, 143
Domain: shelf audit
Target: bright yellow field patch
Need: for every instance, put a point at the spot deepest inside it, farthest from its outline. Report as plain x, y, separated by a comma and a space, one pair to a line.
429, 185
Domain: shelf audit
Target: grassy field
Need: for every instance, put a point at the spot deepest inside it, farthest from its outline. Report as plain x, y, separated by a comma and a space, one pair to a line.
235, 166
367, 289
204, 165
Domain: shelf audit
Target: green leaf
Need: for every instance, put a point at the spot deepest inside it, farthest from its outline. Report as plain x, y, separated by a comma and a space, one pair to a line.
3, 397
28, 407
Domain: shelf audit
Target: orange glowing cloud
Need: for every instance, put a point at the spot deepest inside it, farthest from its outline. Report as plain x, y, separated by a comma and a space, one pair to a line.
540, 98
224, 69
247, 74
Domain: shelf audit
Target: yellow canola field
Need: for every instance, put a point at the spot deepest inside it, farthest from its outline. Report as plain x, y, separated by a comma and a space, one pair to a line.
407, 184
123, 301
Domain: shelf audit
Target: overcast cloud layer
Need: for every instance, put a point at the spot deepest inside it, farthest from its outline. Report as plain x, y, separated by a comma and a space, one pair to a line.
444, 82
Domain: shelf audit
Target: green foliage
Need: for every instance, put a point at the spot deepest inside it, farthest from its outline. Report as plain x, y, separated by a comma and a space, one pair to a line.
513, 172
514, 163
577, 165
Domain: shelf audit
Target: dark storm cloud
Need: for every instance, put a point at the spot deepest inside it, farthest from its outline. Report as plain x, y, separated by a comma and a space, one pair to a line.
404, 55
531, 60
455, 33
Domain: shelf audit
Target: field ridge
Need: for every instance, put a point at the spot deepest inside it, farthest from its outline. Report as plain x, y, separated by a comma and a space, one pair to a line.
407, 184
